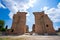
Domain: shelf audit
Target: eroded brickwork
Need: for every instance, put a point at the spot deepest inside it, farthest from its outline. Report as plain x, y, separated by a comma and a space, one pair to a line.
43, 24
19, 23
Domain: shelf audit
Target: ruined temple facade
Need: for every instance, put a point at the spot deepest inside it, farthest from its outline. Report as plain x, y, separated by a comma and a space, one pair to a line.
43, 24
19, 23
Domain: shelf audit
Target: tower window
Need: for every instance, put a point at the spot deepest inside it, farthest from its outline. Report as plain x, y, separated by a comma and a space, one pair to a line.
46, 25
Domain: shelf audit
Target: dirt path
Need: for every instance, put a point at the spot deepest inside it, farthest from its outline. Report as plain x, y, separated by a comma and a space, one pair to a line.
30, 37
43, 38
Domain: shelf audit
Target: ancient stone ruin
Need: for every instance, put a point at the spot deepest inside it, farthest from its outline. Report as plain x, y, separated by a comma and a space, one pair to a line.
19, 23
43, 24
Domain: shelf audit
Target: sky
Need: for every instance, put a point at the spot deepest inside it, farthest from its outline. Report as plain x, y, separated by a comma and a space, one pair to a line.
10, 7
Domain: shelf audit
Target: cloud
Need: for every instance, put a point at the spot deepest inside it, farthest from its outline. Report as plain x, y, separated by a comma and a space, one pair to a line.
2, 6
45, 8
11, 15
28, 14
58, 5
21, 5
53, 13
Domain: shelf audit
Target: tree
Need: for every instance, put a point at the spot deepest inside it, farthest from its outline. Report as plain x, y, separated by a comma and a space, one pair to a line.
2, 23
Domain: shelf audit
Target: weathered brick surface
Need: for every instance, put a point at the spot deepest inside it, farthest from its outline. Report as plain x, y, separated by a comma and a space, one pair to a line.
43, 24
19, 23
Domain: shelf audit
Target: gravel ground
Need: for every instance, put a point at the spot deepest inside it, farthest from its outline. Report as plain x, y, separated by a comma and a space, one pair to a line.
33, 37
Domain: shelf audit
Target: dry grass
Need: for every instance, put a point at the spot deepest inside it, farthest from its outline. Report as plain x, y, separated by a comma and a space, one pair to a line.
12, 39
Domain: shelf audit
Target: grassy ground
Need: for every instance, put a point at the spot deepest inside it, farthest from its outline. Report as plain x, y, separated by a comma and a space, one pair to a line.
11, 38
